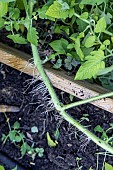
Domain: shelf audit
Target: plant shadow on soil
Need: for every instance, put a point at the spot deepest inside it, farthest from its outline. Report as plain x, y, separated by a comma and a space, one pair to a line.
72, 144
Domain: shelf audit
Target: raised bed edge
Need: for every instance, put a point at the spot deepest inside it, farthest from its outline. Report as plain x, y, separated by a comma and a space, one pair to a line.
81, 89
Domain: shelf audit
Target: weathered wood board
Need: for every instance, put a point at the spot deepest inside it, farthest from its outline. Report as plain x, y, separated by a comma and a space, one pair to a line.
58, 78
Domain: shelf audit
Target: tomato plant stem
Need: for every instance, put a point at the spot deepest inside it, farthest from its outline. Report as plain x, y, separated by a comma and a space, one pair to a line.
60, 108
90, 23
87, 100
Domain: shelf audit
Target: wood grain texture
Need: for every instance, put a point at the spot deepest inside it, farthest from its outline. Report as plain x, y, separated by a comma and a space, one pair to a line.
58, 78
6, 108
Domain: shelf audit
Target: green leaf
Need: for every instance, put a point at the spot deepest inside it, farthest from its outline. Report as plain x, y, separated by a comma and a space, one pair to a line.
2, 21
104, 136
59, 46
101, 25
32, 36
90, 168
71, 12
81, 25
24, 149
108, 17
92, 66
12, 136
56, 11
70, 46
4, 137
16, 168
78, 49
91, 2
22, 135
16, 125
105, 70
2, 168
20, 4
57, 134
16, 13
98, 128
90, 41
51, 143
106, 42
42, 13
17, 39
8, 27
111, 124
102, 47
87, 51
3, 8
68, 63
18, 138
58, 64
16, 26
108, 166
64, 5
84, 15
34, 129
40, 151
7, 0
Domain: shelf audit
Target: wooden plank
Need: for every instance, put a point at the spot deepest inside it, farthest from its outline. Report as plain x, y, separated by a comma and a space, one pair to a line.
6, 108
58, 78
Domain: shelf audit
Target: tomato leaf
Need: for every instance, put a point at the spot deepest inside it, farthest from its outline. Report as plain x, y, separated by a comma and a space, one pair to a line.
90, 41
17, 39
3, 8
57, 10
2, 168
92, 66
59, 46
7, 0
108, 166
101, 25
32, 36
91, 2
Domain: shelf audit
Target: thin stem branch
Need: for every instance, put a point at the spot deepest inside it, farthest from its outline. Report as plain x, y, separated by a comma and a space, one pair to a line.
88, 22
58, 106
90, 135
87, 100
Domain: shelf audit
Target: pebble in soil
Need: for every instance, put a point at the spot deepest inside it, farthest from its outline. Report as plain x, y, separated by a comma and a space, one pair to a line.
74, 150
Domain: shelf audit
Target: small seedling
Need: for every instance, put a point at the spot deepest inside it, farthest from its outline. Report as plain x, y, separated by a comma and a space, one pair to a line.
40, 151
17, 137
57, 134
50, 142
85, 117
104, 135
91, 46
78, 163
34, 129
14, 134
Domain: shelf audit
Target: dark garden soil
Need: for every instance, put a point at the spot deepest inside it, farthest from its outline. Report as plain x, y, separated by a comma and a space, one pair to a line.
73, 149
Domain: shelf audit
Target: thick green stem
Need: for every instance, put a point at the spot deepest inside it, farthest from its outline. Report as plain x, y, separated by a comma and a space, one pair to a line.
58, 106
90, 135
46, 81
87, 100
